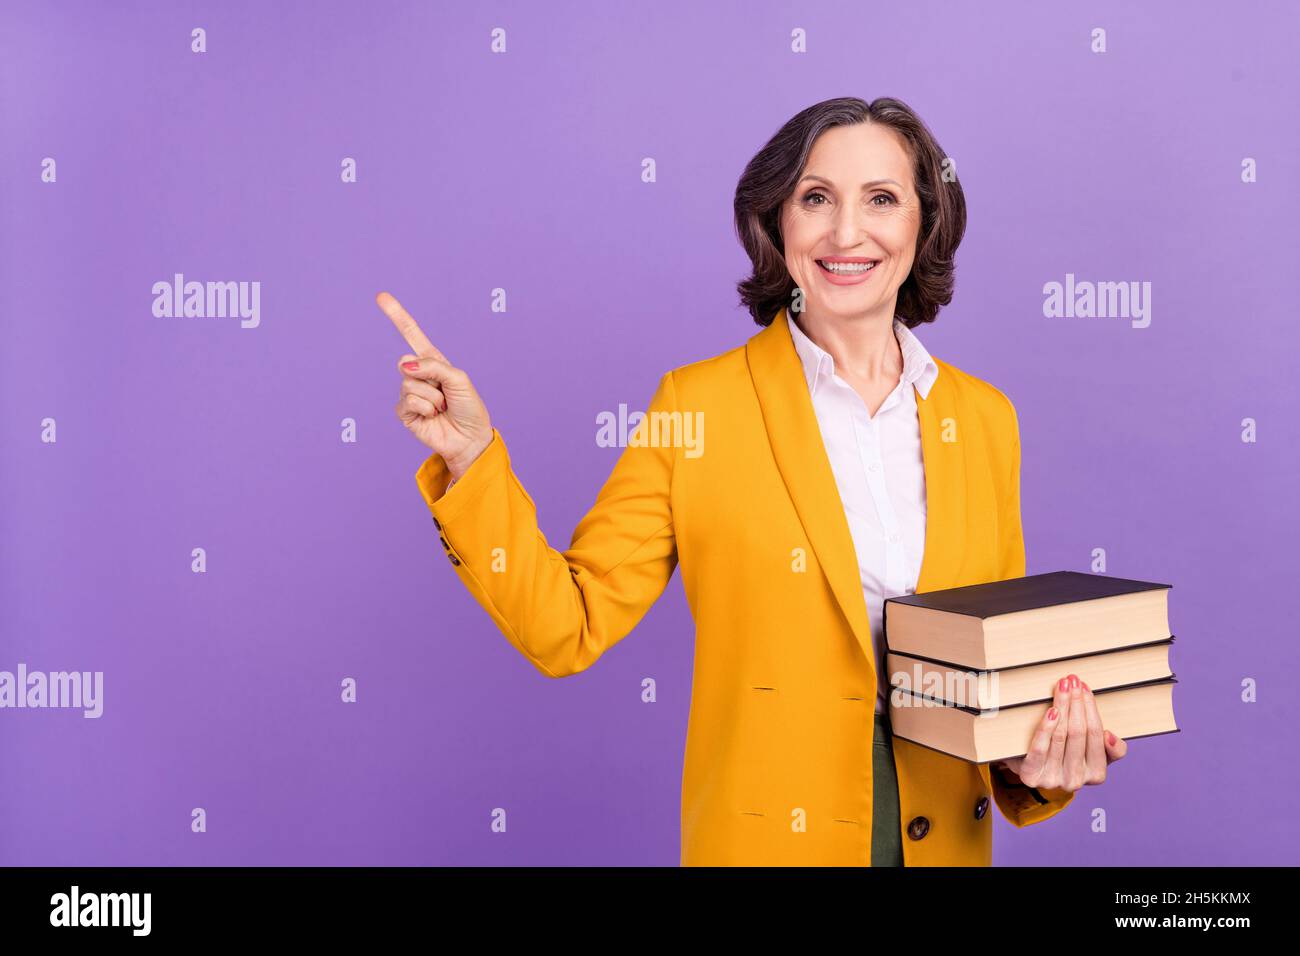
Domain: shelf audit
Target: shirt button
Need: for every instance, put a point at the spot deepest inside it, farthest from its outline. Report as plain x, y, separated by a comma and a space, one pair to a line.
895, 537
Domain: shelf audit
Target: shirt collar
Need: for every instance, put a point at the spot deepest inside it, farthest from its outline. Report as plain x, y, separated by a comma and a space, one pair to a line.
919, 367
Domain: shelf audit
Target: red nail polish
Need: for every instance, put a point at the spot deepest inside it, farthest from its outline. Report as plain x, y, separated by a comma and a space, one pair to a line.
1110, 738
411, 366
1051, 713
1084, 686
1065, 683
1074, 682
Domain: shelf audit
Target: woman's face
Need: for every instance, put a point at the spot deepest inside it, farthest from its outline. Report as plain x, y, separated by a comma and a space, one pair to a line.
854, 203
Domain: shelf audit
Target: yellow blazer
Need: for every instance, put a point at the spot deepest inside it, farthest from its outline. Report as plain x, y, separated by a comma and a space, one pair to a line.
778, 752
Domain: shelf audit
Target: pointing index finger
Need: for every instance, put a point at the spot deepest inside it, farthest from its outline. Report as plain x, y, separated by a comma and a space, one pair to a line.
410, 329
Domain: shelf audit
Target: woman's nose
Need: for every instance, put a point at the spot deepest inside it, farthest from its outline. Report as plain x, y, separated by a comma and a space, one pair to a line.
850, 231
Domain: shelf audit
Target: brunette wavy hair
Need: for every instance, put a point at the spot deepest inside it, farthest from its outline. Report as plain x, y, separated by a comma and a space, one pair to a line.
770, 178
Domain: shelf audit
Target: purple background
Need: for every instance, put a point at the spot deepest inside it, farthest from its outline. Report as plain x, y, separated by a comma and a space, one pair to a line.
523, 171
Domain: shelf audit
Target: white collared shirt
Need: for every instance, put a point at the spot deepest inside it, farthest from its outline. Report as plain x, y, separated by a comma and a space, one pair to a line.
880, 472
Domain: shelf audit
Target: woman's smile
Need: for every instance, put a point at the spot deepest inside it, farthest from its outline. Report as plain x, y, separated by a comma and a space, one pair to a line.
846, 270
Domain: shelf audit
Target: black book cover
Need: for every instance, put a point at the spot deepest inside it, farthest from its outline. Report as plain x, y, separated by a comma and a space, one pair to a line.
1024, 594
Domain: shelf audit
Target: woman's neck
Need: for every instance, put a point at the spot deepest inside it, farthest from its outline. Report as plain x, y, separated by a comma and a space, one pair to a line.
865, 349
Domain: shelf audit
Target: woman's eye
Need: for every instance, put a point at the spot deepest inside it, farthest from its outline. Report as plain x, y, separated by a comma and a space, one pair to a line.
889, 200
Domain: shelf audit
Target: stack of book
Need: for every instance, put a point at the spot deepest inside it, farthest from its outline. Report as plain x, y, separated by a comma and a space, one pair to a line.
974, 669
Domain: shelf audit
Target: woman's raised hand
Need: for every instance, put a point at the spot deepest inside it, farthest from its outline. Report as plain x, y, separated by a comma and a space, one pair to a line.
438, 403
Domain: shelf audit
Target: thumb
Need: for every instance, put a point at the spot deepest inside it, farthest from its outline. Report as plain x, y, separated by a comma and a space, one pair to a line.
437, 372
1115, 747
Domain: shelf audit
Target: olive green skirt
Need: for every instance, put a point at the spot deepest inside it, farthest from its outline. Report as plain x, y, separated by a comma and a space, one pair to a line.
886, 828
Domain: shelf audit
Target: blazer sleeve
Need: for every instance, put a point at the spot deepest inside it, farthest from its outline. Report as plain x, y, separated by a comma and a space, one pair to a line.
561, 610
1021, 805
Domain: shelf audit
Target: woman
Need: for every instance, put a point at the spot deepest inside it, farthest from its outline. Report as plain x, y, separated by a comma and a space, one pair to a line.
843, 465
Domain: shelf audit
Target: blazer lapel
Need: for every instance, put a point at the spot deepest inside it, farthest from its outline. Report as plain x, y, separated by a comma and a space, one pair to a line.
800, 454
943, 446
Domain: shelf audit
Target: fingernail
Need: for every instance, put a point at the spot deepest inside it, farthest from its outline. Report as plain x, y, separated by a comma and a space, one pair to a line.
1074, 682
1084, 686
1110, 738
411, 366
1051, 713
1065, 683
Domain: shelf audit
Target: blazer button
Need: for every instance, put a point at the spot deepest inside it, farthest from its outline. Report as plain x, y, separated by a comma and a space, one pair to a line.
918, 828
445, 545
454, 560
981, 807
436, 524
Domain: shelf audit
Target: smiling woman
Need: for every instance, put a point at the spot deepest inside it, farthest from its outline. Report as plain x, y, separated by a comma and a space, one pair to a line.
851, 182
848, 466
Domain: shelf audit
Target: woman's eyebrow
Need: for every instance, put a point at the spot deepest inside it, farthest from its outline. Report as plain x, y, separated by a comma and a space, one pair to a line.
874, 182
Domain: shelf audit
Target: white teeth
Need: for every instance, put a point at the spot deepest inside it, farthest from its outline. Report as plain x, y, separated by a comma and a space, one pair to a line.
848, 268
